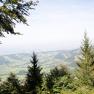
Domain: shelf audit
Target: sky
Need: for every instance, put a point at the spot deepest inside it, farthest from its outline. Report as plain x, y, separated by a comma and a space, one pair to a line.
53, 25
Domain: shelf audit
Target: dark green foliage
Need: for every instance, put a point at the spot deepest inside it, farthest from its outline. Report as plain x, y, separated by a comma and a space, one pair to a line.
34, 76
11, 86
12, 12
53, 77
49, 82
15, 83
65, 82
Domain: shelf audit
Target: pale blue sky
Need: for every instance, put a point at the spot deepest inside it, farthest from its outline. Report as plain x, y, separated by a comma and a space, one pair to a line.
54, 25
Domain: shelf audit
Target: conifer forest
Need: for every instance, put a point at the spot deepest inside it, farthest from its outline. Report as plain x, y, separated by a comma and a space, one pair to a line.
59, 79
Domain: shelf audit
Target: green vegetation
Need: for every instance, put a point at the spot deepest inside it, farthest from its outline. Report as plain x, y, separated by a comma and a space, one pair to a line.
86, 63
34, 77
12, 12
59, 80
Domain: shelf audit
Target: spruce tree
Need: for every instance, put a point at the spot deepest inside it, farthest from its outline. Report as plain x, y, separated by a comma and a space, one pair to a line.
14, 83
34, 77
86, 62
11, 86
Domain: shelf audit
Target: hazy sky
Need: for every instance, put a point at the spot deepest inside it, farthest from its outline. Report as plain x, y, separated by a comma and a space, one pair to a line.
53, 25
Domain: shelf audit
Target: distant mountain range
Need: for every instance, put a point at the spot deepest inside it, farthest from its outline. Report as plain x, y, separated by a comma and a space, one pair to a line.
18, 63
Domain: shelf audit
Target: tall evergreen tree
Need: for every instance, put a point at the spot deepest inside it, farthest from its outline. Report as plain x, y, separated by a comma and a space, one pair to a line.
34, 77
86, 62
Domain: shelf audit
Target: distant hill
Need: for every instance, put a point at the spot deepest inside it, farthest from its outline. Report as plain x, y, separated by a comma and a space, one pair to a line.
18, 63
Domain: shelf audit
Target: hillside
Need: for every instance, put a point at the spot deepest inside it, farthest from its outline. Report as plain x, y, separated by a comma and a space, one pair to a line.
18, 63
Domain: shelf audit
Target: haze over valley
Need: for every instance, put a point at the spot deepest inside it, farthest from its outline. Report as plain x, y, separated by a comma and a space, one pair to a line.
18, 63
